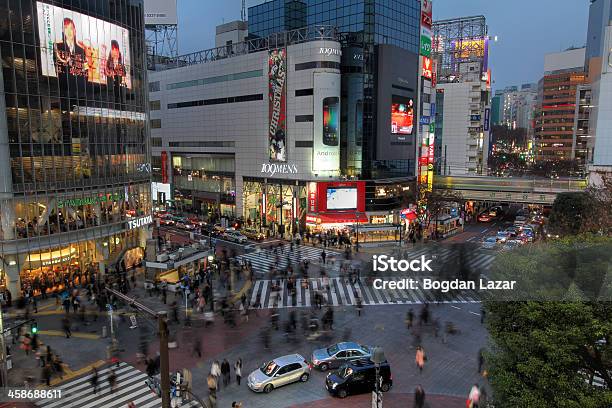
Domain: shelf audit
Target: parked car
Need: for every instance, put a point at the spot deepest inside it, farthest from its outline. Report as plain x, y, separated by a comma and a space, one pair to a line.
489, 243
253, 234
278, 372
358, 377
166, 219
485, 217
234, 236
338, 354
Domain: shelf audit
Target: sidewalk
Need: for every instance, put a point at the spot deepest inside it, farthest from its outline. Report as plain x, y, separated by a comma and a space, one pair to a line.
390, 400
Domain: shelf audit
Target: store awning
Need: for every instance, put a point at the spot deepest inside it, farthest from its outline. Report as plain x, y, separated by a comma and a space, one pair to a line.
344, 218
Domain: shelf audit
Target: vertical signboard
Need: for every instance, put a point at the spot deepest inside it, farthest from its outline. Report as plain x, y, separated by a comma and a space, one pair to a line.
164, 166
487, 119
427, 125
326, 123
277, 100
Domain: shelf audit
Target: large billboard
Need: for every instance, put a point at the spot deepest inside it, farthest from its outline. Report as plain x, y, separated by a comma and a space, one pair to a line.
343, 198
402, 116
277, 100
160, 12
79, 46
326, 123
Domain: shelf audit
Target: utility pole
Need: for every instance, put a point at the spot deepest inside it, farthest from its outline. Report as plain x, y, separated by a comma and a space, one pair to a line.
162, 319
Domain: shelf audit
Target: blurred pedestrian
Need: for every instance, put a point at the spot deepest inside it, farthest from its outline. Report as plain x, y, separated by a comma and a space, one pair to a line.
94, 380
420, 358
419, 397
238, 370
480, 360
474, 396
197, 347
225, 372
112, 380
46, 374
66, 326
215, 370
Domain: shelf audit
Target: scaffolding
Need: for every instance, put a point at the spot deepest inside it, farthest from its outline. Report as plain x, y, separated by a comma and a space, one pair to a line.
457, 42
162, 43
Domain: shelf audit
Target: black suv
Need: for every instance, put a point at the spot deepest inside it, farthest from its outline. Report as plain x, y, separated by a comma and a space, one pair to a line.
358, 377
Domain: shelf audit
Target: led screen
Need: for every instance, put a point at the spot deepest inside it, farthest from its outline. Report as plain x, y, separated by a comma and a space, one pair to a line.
77, 45
402, 116
343, 198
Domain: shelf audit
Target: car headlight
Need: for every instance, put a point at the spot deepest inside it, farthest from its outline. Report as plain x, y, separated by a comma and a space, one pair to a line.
334, 385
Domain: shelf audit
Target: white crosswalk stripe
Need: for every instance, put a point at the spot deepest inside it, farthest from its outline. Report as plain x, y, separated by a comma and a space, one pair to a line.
262, 260
78, 393
342, 293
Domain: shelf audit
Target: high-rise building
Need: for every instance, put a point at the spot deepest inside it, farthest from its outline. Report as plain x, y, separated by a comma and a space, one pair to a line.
463, 111
556, 106
74, 149
370, 28
599, 109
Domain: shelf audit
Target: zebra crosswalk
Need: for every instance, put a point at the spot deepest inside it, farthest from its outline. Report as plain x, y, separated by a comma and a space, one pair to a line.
263, 259
131, 387
478, 260
340, 292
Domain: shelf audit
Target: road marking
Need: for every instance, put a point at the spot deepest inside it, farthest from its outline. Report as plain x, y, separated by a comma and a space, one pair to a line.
474, 313
458, 308
59, 333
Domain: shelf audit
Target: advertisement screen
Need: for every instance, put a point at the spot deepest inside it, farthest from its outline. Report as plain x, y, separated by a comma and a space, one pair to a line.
277, 132
77, 45
402, 116
326, 122
341, 198
330, 121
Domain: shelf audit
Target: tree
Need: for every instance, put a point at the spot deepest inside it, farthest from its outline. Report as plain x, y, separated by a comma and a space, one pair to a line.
435, 201
555, 331
572, 213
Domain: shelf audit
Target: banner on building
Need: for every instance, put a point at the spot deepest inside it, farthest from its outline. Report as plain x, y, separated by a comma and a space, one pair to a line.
277, 100
164, 167
326, 122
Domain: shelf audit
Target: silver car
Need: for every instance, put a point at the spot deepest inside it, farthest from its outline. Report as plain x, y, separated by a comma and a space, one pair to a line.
278, 372
338, 354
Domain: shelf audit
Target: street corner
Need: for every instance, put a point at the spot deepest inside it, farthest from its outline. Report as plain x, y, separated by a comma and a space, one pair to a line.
390, 400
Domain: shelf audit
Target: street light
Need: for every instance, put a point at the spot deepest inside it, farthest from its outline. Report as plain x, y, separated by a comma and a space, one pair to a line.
378, 357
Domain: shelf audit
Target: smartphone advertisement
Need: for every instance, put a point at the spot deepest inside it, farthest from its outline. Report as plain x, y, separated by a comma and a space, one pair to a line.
326, 126
402, 117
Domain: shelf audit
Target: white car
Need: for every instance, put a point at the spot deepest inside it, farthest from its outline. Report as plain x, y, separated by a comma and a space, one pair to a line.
489, 243
235, 236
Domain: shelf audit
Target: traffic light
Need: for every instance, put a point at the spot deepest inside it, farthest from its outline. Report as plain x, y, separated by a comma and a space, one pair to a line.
34, 328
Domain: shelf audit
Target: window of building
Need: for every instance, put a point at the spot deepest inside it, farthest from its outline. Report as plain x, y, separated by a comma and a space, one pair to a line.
317, 64
304, 118
156, 141
216, 101
304, 92
303, 143
154, 86
154, 105
155, 123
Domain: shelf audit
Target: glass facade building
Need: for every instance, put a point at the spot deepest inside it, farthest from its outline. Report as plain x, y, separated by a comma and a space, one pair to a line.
364, 24
74, 150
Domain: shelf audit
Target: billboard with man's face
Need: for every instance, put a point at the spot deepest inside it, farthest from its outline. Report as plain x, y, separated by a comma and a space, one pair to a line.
77, 45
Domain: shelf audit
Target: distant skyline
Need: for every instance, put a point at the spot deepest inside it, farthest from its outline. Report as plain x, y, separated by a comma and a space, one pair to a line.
526, 30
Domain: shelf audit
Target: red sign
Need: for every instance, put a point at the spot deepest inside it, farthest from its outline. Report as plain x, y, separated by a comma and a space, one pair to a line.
426, 19
426, 68
311, 219
312, 201
434, 76
164, 166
